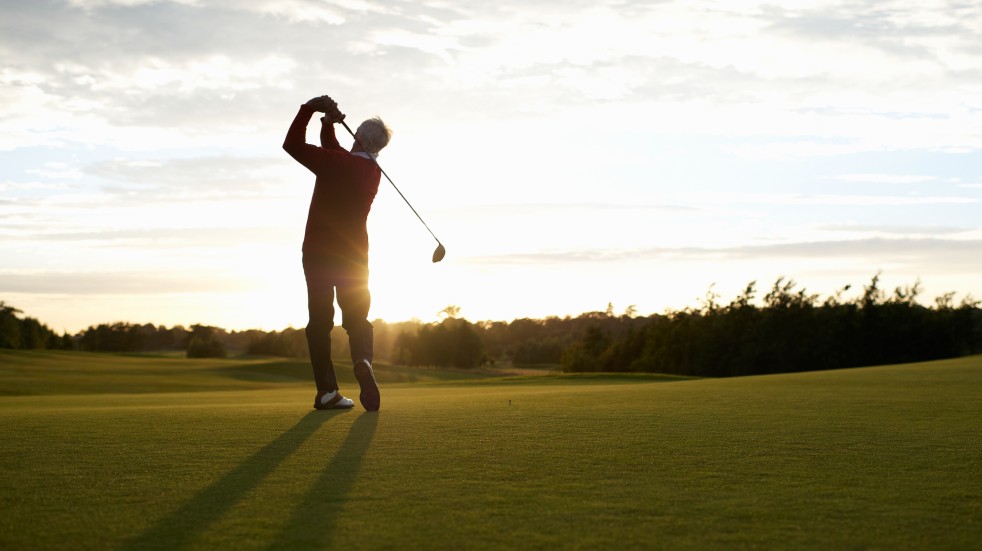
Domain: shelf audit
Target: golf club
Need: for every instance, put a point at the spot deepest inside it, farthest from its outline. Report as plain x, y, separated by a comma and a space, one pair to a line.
440, 251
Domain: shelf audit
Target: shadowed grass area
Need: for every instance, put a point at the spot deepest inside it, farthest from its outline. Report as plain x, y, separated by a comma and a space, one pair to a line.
884, 457
185, 525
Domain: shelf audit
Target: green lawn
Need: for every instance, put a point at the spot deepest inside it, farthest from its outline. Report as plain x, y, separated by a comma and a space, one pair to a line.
32, 373
887, 457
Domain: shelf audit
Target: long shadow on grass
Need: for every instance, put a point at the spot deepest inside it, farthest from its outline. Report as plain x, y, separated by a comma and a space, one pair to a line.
183, 526
314, 519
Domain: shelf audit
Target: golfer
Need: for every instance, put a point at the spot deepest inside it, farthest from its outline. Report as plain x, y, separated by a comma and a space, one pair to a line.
335, 245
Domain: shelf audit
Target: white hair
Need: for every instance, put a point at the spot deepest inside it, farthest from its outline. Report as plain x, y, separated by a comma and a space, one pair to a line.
373, 135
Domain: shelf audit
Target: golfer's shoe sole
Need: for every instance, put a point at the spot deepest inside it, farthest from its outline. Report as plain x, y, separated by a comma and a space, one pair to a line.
369, 396
338, 402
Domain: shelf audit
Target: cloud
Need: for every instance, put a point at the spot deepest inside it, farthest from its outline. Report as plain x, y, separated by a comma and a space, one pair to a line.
169, 238
155, 76
834, 199
874, 178
118, 283
195, 178
546, 209
908, 30
911, 230
964, 253
31, 186
299, 11
194, 73
954, 255
195, 171
94, 4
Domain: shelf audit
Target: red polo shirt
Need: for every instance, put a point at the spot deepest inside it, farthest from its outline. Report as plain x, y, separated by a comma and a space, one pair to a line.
344, 189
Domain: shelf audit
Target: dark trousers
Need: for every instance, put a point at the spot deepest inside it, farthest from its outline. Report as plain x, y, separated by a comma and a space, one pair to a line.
324, 275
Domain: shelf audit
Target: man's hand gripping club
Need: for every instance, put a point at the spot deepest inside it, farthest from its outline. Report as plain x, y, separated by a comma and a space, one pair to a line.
327, 106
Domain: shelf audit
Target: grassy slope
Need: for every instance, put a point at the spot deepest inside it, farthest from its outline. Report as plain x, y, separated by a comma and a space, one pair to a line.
882, 457
51, 372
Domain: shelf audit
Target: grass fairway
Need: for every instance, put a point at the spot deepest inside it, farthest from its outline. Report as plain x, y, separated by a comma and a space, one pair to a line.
887, 457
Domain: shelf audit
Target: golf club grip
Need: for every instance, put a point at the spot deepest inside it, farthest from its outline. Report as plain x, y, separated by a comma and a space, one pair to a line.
345, 125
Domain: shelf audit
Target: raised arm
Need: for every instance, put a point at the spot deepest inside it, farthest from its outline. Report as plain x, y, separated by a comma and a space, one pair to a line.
296, 140
328, 139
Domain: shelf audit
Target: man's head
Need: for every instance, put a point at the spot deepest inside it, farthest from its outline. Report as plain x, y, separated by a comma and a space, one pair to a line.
373, 135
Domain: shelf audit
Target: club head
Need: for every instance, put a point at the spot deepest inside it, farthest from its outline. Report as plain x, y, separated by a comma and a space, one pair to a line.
439, 253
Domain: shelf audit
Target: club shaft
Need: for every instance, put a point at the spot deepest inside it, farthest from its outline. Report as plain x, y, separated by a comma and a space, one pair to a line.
389, 179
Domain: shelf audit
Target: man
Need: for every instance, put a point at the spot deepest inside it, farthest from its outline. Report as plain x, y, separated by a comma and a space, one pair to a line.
335, 245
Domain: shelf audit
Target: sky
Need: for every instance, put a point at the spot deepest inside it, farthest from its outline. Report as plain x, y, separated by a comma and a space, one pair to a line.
568, 154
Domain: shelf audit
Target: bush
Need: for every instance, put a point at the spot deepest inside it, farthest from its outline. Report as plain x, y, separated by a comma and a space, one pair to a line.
203, 343
289, 343
450, 343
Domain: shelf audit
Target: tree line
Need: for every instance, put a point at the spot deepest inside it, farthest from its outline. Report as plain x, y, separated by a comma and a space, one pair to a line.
412, 343
789, 330
28, 333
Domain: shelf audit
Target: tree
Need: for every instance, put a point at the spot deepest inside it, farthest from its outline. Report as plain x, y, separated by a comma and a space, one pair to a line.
33, 335
9, 326
450, 343
585, 355
289, 343
450, 312
27, 333
792, 331
203, 343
